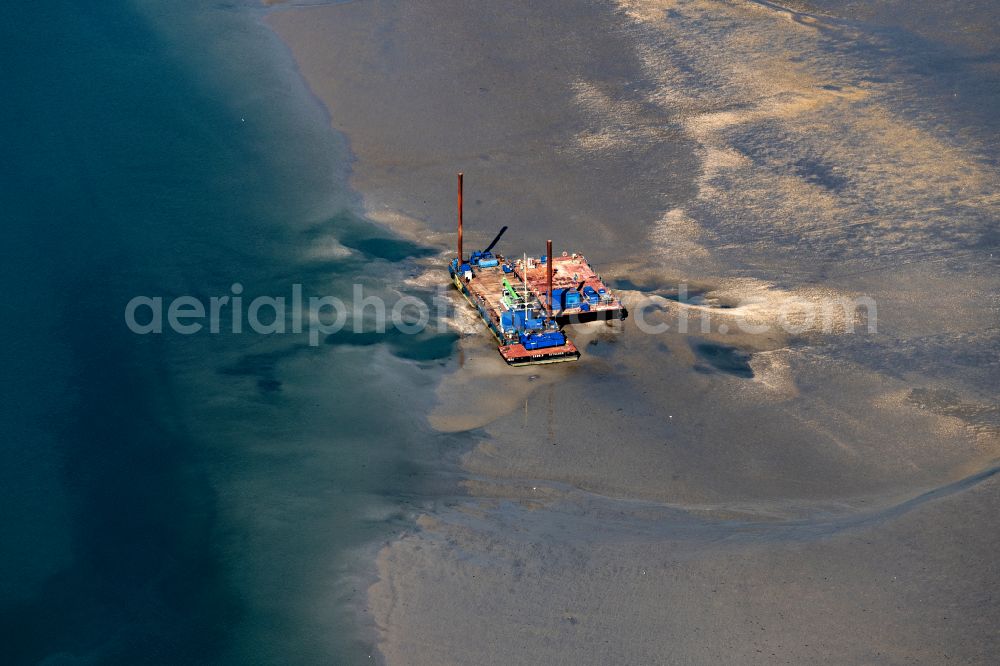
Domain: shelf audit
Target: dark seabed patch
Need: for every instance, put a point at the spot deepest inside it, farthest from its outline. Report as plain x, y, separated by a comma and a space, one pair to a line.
389, 249
723, 358
358, 234
814, 170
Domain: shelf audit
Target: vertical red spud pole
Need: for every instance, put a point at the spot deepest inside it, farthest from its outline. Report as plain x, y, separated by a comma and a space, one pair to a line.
460, 219
548, 271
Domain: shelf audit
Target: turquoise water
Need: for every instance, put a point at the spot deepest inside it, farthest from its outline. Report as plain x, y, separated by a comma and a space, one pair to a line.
203, 498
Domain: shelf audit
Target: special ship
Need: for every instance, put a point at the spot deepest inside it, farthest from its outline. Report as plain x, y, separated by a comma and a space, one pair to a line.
525, 302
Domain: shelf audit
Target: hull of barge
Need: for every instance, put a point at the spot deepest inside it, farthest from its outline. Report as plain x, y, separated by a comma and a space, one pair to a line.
516, 355
585, 317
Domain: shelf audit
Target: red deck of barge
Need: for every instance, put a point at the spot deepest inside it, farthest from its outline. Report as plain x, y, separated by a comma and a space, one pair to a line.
571, 271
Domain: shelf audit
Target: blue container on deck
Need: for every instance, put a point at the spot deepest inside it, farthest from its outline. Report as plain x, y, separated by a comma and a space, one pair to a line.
488, 263
591, 294
542, 340
566, 298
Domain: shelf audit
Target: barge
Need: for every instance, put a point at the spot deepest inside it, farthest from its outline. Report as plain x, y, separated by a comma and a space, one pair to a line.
525, 302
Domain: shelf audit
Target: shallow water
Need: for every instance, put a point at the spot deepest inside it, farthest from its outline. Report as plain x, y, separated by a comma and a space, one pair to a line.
170, 498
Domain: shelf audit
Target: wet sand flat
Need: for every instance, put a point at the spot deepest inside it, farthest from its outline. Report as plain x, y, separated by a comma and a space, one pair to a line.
813, 490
